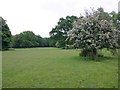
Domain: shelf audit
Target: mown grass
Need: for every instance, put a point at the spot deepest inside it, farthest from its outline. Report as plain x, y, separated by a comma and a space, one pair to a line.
57, 68
0, 69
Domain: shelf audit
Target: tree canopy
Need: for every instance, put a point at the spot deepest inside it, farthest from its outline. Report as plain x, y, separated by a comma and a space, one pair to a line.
25, 39
93, 32
59, 32
28, 39
115, 17
5, 35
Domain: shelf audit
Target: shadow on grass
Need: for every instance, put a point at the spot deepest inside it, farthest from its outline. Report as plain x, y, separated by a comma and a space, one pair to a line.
99, 59
106, 58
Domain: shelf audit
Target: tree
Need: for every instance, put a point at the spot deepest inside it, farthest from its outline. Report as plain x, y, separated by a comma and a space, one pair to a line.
59, 33
93, 32
103, 15
115, 17
28, 39
25, 39
5, 35
118, 26
45, 42
39, 40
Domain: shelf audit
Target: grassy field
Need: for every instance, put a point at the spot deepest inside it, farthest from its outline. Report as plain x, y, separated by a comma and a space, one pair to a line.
57, 68
0, 69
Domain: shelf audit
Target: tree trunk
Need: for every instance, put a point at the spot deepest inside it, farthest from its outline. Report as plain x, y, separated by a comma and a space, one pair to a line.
92, 53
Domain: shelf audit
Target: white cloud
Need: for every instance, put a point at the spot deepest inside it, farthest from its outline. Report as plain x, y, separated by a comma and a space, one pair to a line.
41, 15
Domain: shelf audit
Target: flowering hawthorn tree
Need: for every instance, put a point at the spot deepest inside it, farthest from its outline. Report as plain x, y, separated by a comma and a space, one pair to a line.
92, 32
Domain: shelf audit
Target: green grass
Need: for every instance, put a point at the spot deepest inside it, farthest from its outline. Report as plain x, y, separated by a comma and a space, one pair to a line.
0, 69
57, 68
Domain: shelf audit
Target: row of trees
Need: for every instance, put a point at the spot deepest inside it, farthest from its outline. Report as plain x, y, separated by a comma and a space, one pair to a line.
28, 39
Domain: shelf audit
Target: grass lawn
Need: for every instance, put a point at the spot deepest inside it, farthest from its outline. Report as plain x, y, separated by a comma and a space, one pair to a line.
0, 69
57, 68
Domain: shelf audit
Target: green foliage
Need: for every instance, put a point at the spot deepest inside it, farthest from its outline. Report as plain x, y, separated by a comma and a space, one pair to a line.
45, 42
103, 15
57, 68
5, 35
28, 39
116, 22
94, 32
25, 39
59, 33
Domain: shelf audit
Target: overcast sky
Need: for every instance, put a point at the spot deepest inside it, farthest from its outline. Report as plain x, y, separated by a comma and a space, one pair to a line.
40, 16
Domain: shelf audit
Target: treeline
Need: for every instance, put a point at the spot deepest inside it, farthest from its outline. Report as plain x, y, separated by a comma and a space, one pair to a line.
61, 34
28, 39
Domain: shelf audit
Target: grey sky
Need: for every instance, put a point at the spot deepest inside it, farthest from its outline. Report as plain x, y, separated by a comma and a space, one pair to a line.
40, 16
